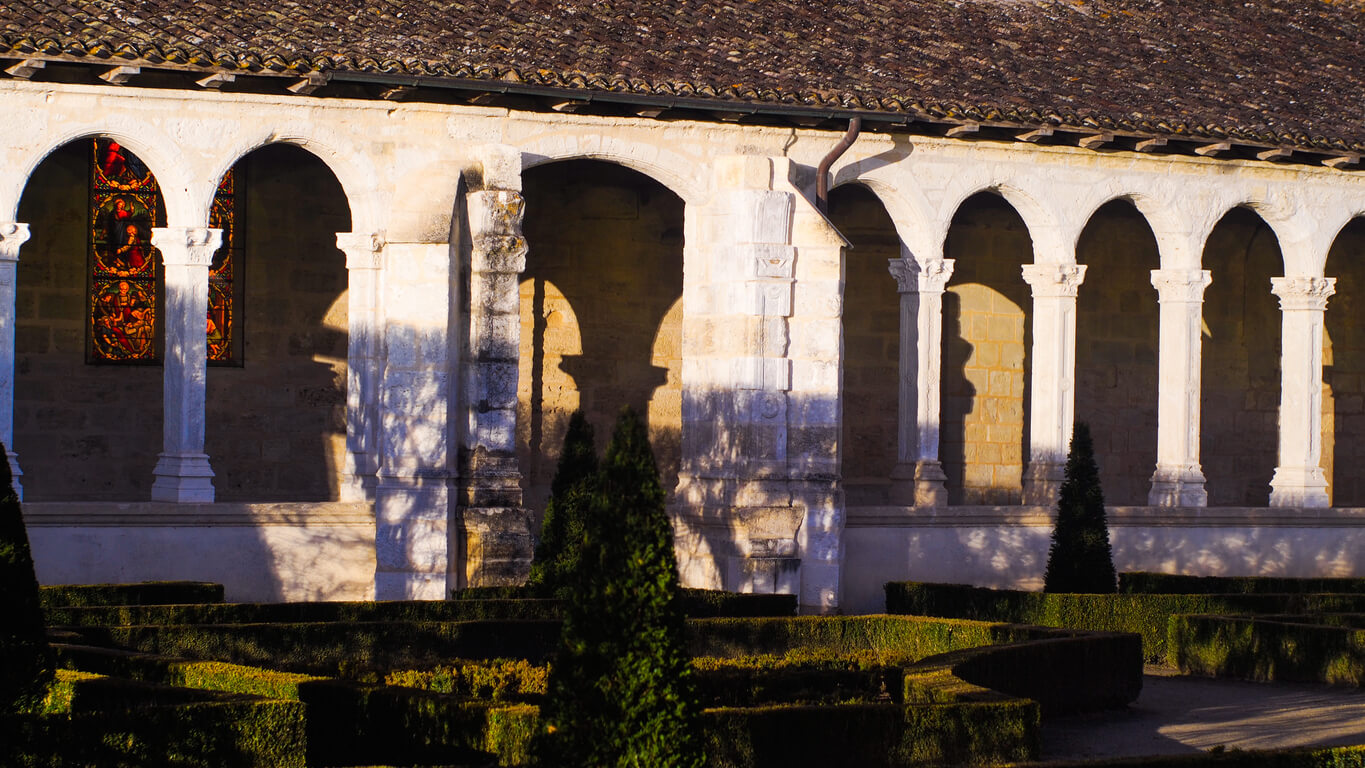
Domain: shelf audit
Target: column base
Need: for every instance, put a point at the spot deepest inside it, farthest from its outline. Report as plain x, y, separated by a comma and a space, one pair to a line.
497, 546
1043, 482
15, 473
919, 484
183, 478
1180, 486
1299, 487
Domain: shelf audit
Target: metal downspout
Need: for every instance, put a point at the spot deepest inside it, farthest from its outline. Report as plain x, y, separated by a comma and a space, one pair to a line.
855, 126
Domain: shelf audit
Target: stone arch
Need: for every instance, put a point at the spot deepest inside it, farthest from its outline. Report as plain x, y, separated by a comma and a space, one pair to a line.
1281, 226
155, 150
353, 176
1161, 217
1044, 227
909, 209
683, 176
1343, 369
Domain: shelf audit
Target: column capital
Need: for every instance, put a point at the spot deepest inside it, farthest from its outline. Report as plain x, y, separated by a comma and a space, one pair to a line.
914, 276
187, 246
495, 218
1183, 286
1303, 292
12, 235
1054, 280
364, 250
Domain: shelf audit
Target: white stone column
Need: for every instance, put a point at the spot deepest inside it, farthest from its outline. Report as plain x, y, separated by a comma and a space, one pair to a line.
364, 259
918, 478
495, 527
1299, 480
182, 469
12, 236
1178, 480
1053, 383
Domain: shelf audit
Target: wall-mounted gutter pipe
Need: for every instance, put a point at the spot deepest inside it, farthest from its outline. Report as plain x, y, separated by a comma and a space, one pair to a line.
855, 126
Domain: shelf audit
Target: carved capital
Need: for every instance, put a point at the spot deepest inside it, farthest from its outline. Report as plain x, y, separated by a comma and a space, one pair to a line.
914, 276
364, 250
1054, 280
495, 213
1180, 286
1302, 292
12, 235
187, 246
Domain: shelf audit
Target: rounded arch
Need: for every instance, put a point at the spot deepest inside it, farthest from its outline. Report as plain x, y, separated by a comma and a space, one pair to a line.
157, 152
910, 212
679, 174
352, 175
1343, 365
1042, 225
1281, 227
1155, 208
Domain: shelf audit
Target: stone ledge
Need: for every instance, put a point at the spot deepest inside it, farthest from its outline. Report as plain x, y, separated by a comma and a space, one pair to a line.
150, 514
1119, 517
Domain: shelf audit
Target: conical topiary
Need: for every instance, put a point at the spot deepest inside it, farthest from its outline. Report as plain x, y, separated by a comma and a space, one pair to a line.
557, 552
26, 660
620, 689
1080, 559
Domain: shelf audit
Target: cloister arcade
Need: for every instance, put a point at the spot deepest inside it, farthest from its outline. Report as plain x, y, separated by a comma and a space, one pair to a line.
431, 289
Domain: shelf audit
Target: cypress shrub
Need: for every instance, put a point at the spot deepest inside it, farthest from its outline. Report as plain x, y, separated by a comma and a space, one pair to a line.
620, 689
1080, 559
561, 532
27, 658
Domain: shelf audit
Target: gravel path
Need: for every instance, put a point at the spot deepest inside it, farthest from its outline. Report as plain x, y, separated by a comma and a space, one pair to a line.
1178, 714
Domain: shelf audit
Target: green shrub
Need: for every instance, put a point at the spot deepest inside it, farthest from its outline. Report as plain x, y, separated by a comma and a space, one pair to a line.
27, 667
1331, 757
562, 531
293, 613
144, 593
620, 689
696, 603
1267, 650
912, 637
1079, 559
1138, 582
497, 679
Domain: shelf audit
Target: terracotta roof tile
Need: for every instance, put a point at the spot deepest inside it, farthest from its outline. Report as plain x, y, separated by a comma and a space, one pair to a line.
1283, 72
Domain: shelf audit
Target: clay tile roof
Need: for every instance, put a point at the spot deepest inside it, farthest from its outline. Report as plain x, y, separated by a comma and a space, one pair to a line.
1281, 72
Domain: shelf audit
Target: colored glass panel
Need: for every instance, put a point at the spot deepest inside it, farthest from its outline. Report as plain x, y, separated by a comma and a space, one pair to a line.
222, 320
124, 266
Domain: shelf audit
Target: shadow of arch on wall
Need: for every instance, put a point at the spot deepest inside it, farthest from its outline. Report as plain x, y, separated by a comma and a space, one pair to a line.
1118, 322
987, 338
601, 312
1240, 392
276, 424
1343, 369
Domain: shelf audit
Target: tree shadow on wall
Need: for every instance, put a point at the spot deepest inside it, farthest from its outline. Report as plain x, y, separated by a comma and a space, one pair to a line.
958, 398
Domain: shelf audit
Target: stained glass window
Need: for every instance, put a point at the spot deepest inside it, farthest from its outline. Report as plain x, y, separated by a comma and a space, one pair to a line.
125, 270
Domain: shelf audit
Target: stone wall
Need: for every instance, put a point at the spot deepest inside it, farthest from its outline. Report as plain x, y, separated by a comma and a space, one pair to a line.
601, 313
1241, 362
986, 332
871, 345
1116, 350
82, 432
276, 426
1343, 374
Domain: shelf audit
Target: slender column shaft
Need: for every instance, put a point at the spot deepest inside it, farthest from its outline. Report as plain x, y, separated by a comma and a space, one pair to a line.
1053, 383
1178, 480
12, 236
182, 470
918, 478
364, 259
1299, 480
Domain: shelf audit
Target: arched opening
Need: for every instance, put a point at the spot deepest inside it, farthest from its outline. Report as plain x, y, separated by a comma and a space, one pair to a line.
1343, 374
88, 391
276, 422
1118, 321
871, 328
1240, 399
601, 312
987, 332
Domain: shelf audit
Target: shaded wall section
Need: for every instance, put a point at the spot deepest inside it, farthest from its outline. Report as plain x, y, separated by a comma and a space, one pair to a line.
82, 432
1343, 373
871, 326
601, 312
1240, 403
986, 331
1117, 326
276, 426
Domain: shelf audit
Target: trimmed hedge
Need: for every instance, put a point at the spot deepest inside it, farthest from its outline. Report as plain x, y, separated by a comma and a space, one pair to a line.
294, 613
902, 636
697, 603
348, 649
145, 593
1145, 614
1331, 757
1277, 649
1140, 582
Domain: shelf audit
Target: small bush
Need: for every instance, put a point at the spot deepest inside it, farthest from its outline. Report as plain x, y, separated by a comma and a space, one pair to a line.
143, 593
1139, 582
1080, 559
496, 680
28, 662
561, 533
1267, 650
